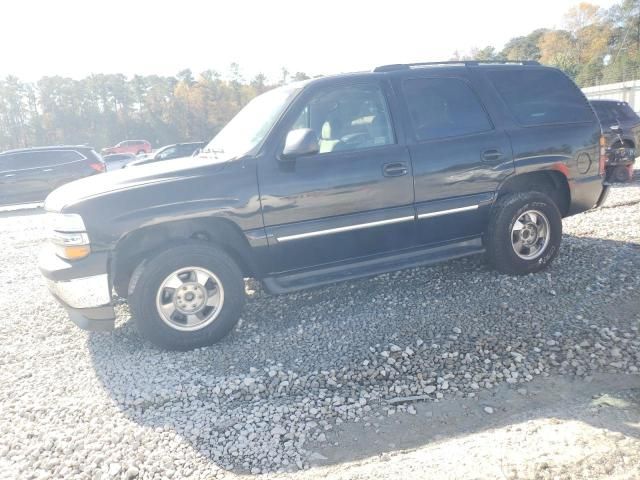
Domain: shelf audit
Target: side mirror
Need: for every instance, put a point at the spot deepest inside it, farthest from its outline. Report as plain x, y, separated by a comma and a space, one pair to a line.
302, 141
196, 152
615, 128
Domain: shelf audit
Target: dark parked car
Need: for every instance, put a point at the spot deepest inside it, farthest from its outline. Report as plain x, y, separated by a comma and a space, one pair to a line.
116, 161
332, 179
28, 175
621, 127
169, 152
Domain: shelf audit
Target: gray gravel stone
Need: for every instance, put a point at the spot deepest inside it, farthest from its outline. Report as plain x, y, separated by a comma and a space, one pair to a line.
89, 405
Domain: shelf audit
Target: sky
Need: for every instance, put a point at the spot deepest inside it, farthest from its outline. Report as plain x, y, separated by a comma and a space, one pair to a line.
78, 37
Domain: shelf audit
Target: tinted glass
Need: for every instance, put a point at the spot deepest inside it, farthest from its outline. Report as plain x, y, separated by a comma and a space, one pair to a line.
348, 118
24, 160
538, 97
186, 150
443, 107
612, 112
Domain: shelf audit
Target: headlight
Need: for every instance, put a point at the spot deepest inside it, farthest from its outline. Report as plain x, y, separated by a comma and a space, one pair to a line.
69, 236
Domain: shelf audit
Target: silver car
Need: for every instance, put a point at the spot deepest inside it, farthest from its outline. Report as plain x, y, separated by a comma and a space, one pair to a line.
116, 161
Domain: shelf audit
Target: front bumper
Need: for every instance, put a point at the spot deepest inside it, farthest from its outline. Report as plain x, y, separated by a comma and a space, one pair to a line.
82, 287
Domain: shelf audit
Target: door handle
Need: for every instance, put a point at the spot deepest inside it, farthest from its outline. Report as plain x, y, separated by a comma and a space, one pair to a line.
48, 170
8, 175
491, 155
395, 169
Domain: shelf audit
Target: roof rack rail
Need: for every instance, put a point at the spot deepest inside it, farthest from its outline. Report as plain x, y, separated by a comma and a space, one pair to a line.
466, 63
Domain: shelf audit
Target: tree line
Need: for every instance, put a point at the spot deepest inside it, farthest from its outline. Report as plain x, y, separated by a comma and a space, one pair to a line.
103, 109
595, 46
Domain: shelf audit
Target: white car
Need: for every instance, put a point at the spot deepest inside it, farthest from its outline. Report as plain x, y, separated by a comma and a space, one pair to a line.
116, 161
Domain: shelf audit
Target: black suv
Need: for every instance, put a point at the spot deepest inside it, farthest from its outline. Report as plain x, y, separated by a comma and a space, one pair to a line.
614, 113
331, 179
28, 175
621, 128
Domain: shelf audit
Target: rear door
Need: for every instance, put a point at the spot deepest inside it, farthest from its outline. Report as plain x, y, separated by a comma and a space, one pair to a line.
552, 127
355, 197
459, 155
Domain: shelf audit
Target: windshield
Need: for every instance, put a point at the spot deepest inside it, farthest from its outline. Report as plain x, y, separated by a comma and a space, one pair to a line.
249, 127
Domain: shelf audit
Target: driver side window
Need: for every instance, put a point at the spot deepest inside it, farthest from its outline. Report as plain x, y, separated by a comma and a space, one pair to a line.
167, 154
348, 118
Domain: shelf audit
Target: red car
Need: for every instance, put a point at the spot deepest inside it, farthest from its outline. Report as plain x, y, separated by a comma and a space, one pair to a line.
129, 146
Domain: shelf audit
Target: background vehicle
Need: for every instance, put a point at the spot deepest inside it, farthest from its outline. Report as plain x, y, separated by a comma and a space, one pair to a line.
28, 175
332, 179
621, 126
169, 152
129, 146
116, 161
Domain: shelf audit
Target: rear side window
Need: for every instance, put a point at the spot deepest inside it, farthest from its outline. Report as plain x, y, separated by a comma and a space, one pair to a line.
443, 107
539, 97
187, 150
24, 160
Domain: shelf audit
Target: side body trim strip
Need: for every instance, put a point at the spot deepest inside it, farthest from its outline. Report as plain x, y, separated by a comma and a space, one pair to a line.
447, 212
347, 228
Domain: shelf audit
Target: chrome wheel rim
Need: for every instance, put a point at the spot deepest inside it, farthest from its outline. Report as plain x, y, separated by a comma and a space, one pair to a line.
190, 298
530, 234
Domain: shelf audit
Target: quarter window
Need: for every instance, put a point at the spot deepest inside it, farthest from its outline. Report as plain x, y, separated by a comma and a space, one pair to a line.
443, 107
539, 97
348, 118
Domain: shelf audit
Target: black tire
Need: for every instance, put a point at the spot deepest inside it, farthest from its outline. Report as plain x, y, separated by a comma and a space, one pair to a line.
190, 254
501, 252
621, 174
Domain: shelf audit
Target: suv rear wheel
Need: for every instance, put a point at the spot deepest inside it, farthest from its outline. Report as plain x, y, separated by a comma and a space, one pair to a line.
187, 296
524, 233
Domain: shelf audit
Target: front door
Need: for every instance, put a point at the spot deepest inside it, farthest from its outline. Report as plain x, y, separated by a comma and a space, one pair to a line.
459, 157
352, 199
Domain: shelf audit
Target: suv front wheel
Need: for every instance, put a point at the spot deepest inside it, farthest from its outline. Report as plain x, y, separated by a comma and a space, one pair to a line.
524, 233
187, 296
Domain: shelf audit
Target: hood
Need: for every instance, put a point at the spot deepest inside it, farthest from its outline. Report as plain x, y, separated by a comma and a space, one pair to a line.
128, 178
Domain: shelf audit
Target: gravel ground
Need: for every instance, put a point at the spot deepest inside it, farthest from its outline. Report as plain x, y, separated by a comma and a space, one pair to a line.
305, 367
